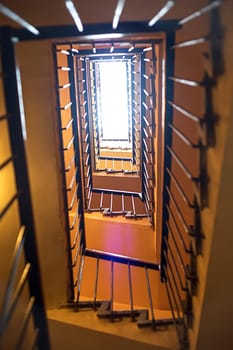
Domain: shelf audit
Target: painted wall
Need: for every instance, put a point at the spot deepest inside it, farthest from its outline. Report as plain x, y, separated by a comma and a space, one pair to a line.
215, 266
38, 87
44, 168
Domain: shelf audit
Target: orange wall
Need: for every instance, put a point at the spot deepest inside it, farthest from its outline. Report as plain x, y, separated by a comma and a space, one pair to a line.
133, 238
38, 83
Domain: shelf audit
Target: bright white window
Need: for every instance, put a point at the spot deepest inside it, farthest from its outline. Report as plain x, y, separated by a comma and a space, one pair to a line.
113, 99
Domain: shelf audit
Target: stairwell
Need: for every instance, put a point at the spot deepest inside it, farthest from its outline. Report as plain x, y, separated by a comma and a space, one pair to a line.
209, 298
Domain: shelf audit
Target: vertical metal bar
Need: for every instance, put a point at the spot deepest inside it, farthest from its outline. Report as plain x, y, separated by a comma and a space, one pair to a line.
129, 98
87, 88
101, 200
111, 203
14, 103
131, 293
112, 291
96, 283
89, 201
79, 128
170, 57
80, 274
150, 298
75, 126
143, 114
63, 174
152, 127
133, 111
123, 203
133, 206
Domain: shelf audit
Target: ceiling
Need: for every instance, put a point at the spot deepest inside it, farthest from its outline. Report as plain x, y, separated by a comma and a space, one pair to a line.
53, 12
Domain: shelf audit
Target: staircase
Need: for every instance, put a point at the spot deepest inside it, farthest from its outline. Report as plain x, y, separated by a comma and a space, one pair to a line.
173, 136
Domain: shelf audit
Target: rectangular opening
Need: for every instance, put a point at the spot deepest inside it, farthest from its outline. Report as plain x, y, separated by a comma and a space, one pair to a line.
112, 101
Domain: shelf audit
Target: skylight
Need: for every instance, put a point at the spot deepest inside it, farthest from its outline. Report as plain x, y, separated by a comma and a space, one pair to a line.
113, 108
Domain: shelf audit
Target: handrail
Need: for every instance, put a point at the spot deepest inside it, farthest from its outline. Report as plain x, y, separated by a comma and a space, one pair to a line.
124, 159
102, 255
126, 193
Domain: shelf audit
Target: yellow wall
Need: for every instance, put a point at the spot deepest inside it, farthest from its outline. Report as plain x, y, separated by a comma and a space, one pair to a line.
37, 70
215, 267
38, 87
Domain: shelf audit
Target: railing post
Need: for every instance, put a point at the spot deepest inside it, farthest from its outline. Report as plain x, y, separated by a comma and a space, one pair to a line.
76, 146
170, 59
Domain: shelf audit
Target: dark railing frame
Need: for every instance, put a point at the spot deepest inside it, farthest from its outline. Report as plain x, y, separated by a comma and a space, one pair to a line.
13, 102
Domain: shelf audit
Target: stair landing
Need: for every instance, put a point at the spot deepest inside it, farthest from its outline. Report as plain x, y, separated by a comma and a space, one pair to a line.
83, 330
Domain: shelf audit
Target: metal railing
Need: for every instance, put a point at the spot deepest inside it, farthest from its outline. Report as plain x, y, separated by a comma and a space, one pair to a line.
106, 307
101, 161
21, 283
188, 134
185, 185
148, 72
83, 100
69, 129
115, 203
